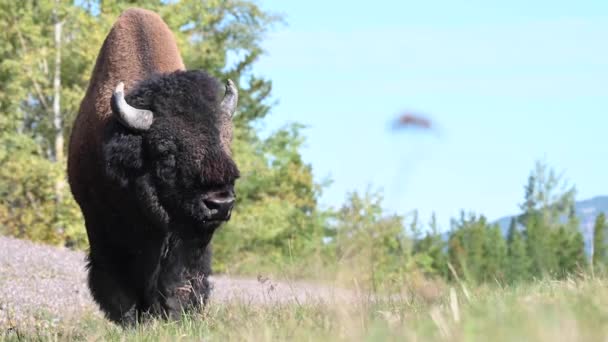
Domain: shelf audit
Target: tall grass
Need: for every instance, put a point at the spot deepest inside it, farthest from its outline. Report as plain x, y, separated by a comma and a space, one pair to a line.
571, 310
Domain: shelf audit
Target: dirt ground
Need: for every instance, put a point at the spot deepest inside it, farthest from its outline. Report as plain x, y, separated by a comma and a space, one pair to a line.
46, 283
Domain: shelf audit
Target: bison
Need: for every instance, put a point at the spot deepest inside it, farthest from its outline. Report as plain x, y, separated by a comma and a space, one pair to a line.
151, 169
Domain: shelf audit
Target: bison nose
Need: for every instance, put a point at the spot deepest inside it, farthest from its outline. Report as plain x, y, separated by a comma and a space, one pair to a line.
220, 204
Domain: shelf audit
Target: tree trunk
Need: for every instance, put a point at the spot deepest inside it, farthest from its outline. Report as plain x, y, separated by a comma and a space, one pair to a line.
57, 117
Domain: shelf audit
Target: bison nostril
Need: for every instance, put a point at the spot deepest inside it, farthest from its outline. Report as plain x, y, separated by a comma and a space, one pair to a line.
220, 204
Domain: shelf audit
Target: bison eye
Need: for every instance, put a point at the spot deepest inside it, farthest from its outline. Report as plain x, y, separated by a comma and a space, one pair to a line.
166, 168
164, 147
168, 161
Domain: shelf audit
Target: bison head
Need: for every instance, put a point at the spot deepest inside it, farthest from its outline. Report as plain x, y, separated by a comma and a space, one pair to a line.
169, 148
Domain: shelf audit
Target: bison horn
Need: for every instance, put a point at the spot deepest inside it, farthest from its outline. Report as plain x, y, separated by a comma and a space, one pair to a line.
131, 117
230, 99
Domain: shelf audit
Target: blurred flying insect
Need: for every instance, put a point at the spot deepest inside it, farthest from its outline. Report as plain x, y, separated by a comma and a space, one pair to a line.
412, 120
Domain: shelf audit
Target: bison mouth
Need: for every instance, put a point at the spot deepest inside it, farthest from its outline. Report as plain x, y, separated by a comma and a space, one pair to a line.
195, 229
205, 224
211, 219
211, 224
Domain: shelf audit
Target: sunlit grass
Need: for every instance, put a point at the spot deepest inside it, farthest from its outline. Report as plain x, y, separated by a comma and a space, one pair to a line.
571, 310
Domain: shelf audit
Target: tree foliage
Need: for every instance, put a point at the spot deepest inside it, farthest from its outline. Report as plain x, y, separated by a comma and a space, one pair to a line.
28, 206
519, 263
600, 247
370, 241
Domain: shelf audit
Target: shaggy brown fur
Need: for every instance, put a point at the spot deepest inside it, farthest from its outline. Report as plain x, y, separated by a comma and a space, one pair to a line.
140, 44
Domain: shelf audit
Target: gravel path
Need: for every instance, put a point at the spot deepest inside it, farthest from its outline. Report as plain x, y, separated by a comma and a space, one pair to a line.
43, 285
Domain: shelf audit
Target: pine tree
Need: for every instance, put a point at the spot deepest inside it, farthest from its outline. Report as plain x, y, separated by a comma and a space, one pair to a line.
467, 247
457, 251
494, 255
578, 259
518, 262
512, 230
569, 251
600, 248
437, 249
539, 243
429, 252
544, 208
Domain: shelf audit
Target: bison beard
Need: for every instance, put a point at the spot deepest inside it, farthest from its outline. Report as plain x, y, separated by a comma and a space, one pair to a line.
152, 172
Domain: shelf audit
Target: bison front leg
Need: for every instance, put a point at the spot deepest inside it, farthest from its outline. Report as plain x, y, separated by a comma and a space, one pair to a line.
117, 302
182, 283
173, 300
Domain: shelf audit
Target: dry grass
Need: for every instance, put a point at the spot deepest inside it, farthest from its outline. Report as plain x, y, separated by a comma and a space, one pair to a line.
41, 300
573, 310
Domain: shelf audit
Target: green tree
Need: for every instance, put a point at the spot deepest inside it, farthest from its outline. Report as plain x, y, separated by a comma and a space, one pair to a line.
548, 200
276, 219
467, 245
600, 248
28, 206
477, 250
570, 245
430, 251
495, 254
372, 245
518, 262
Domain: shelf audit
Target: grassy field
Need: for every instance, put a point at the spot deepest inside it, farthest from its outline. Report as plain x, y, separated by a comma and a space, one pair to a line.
572, 310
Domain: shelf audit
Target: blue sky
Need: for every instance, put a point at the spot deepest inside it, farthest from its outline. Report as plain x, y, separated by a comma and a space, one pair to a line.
506, 83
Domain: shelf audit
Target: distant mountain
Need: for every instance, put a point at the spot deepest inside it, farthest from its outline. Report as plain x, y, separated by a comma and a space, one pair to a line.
586, 210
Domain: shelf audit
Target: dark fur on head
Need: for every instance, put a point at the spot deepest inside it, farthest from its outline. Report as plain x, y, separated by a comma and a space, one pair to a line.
145, 194
163, 174
185, 154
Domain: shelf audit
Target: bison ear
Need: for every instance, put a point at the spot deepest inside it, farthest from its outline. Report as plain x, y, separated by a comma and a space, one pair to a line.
230, 100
